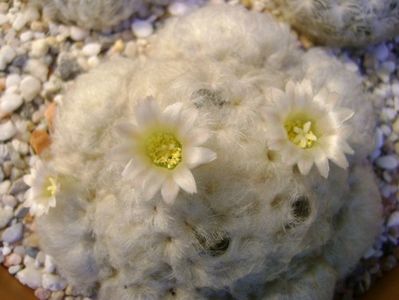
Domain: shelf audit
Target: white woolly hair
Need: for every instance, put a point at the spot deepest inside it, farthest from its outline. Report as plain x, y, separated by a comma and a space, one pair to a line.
256, 228
91, 14
343, 22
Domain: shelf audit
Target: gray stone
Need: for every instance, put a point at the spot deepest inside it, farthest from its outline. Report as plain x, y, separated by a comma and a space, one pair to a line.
13, 233
68, 67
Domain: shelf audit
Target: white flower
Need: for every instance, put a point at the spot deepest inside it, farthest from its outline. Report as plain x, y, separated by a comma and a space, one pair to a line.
308, 129
161, 147
44, 187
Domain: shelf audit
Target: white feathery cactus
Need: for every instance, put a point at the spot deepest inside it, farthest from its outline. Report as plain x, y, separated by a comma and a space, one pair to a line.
92, 14
342, 22
257, 225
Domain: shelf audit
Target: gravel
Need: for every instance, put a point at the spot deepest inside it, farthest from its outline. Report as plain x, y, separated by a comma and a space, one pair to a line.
39, 59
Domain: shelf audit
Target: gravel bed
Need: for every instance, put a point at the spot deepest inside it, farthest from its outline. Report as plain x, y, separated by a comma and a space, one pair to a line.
39, 59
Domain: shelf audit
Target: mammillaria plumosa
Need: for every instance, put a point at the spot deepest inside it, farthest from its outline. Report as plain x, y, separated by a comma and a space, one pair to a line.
243, 220
341, 22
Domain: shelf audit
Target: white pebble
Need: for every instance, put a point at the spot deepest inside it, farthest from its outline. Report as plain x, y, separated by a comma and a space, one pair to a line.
142, 28
53, 282
78, 34
178, 8
39, 48
10, 102
26, 36
7, 54
14, 269
6, 250
91, 49
13, 233
49, 265
4, 186
6, 214
387, 162
37, 69
393, 219
30, 277
12, 80
7, 131
3, 19
30, 87
93, 61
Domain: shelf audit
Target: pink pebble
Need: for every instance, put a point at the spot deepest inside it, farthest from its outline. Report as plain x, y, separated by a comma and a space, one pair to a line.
42, 294
12, 260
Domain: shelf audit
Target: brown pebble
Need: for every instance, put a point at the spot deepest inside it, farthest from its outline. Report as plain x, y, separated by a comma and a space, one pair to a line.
49, 114
2, 84
40, 141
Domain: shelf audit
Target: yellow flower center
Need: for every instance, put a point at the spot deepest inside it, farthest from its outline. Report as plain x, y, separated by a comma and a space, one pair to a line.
301, 132
164, 149
50, 187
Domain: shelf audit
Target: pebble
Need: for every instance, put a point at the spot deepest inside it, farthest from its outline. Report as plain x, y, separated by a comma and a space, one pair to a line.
30, 277
49, 265
4, 186
39, 48
58, 295
9, 200
18, 186
30, 87
68, 67
78, 34
14, 269
37, 69
6, 250
91, 49
13, 233
7, 54
142, 28
12, 80
6, 214
32, 252
39, 140
178, 8
393, 219
7, 130
381, 52
12, 260
53, 282
42, 293
387, 162
10, 102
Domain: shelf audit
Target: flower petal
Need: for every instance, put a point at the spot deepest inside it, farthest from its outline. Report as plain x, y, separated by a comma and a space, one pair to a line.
323, 167
304, 166
171, 113
152, 184
199, 155
185, 179
132, 169
169, 191
197, 136
339, 159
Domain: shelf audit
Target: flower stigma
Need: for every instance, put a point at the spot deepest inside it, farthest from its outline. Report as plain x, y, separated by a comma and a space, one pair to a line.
164, 149
301, 132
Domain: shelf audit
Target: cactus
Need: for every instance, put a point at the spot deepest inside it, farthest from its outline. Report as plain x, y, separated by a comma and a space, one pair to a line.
229, 163
342, 22
90, 14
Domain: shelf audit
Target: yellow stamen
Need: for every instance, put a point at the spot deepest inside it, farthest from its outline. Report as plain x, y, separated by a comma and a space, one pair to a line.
164, 149
50, 187
301, 132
